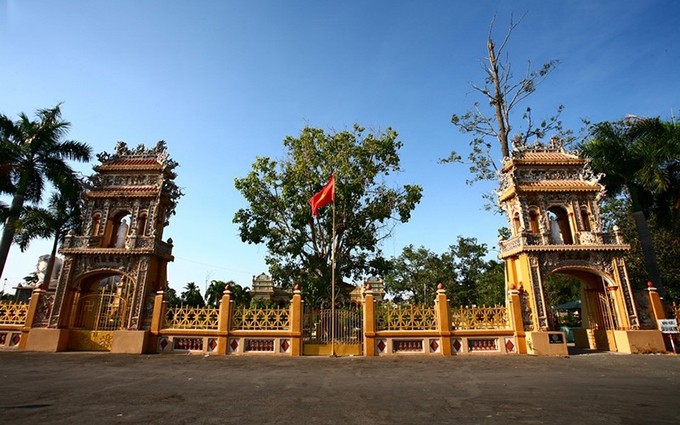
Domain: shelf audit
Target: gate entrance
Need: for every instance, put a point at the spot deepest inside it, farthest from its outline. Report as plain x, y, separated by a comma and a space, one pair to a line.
318, 338
97, 316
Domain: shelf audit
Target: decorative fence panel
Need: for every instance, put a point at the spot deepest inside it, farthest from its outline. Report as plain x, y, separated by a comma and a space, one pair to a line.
261, 319
13, 313
12, 318
405, 318
466, 318
191, 318
228, 330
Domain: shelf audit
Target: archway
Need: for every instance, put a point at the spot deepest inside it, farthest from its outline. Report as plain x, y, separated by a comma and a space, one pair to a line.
100, 307
593, 313
560, 229
117, 227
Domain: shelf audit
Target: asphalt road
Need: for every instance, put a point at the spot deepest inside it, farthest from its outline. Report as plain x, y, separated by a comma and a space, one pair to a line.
83, 388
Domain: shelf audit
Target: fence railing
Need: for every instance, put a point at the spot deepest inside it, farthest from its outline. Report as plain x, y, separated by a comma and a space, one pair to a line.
261, 319
412, 318
466, 318
13, 313
191, 318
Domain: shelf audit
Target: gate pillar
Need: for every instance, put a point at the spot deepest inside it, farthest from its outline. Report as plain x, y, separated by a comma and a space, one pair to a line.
296, 322
444, 322
369, 322
515, 313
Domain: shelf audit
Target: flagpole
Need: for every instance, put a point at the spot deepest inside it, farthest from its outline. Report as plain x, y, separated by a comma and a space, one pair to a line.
333, 286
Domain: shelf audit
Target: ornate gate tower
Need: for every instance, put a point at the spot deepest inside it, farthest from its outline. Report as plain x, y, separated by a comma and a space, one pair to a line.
111, 272
551, 198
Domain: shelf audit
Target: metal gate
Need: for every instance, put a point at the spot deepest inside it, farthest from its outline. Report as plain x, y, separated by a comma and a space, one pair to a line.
98, 315
607, 311
333, 332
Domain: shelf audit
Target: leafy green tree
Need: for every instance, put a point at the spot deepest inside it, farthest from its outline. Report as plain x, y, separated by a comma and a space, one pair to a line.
561, 289
240, 295
171, 298
415, 274
365, 209
469, 263
503, 93
31, 153
639, 160
463, 270
490, 287
617, 211
62, 215
192, 296
213, 295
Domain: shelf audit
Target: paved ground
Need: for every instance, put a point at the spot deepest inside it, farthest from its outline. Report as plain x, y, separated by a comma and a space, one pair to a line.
187, 389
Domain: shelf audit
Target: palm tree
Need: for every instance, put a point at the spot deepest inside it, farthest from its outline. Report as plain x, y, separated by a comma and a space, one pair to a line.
31, 153
213, 295
639, 156
62, 215
192, 296
240, 295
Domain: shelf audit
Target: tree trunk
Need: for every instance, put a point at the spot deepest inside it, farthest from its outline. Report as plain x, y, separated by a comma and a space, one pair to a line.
12, 217
50, 264
498, 100
648, 251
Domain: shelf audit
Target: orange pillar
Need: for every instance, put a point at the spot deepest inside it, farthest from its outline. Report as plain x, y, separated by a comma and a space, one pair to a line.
223, 321
369, 322
30, 316
515, 315
655, 302
442, 306
296, 322
157, 319
158, 313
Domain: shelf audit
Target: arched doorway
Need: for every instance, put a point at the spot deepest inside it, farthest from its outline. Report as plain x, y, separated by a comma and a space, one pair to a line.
560, 229
593, 313
100, 308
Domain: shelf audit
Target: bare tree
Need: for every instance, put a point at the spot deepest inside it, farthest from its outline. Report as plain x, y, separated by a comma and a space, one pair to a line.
504, 93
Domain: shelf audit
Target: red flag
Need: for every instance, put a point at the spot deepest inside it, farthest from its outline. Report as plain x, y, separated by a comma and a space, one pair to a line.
323, 197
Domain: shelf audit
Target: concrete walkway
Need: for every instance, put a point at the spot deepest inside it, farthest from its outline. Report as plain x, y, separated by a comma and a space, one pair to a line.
84, 388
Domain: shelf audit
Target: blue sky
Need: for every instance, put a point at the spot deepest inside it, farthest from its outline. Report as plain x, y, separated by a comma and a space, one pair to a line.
225, 81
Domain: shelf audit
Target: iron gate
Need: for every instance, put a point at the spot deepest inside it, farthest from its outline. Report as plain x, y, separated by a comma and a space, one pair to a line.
98, 315
333, 331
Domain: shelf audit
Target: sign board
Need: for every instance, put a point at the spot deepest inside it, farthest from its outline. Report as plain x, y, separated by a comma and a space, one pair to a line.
668, 326
556, 338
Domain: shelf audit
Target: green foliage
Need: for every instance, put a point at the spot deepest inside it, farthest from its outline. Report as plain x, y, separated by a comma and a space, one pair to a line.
258, 303
471, 267
366, 209
639, 158
561, 288
62, 215
32, 153
617, 211
171, 298
414, 275
490, 288
640, 162
214, 292
463, 270
239, 295
192, 296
